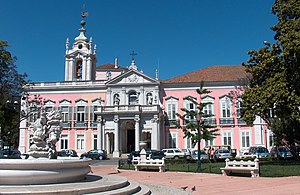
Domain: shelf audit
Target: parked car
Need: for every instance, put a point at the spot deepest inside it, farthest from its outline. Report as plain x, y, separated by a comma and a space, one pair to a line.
174, 153
67, 153
259, 151
281, 152
10, 153
153, 154
131, 155
222, 154
95, 154
187, 153
203, 155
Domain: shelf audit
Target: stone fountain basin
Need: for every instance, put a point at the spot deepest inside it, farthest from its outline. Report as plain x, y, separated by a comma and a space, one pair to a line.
42, 171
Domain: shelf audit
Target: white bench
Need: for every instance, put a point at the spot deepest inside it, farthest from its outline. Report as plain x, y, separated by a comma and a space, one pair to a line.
241, 166
142, 161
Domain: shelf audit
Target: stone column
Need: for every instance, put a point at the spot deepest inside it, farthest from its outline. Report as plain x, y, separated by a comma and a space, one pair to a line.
84, 70
108, 97
123, 97
137, 133
116, 153
89, 68
107, 143
67, 70
103, 134
99, 133
154, 134
72, 70
142, 97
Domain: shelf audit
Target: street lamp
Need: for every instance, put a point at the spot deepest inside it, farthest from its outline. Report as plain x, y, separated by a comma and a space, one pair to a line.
198, 140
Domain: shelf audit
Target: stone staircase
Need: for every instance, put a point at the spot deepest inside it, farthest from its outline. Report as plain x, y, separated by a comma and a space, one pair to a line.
93, 184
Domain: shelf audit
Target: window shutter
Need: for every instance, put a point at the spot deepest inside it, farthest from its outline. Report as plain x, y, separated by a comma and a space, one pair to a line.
75, 113
70, 113
91, 113
86, 113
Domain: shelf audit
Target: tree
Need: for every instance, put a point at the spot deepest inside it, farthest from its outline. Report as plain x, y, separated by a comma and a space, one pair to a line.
195, 126
11, 83
273, 88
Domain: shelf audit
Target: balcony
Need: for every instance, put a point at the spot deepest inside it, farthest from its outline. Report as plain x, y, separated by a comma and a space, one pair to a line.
66, 124
128, 108
226, 121
210, 121
171, 122
80, 124
94, 124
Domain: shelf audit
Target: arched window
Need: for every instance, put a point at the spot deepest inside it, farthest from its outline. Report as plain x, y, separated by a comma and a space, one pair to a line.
133, 98
79, 70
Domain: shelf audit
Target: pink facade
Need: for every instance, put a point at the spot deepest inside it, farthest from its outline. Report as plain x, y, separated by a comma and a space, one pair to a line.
120, 109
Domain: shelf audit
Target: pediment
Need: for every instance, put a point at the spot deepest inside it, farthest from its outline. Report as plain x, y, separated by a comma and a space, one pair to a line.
76, 53
132, 77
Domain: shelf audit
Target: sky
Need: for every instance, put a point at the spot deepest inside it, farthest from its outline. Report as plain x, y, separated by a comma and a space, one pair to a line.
173, 36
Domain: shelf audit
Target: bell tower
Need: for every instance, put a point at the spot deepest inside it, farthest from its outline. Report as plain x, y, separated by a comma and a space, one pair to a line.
81, 60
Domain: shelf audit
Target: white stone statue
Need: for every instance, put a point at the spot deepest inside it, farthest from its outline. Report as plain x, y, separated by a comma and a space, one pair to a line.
46, 132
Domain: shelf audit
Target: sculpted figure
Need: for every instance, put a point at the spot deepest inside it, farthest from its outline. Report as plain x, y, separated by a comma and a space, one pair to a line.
46, 132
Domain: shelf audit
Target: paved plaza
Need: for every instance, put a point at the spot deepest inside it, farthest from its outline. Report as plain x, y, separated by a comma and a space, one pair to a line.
204, 183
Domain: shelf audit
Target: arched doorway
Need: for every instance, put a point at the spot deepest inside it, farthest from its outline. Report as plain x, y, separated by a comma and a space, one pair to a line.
128, 136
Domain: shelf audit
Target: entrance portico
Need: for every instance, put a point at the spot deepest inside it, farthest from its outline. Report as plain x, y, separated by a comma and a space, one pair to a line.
123, 132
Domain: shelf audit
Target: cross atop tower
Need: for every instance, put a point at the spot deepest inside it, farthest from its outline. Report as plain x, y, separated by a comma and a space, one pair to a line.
132, 55
132, 66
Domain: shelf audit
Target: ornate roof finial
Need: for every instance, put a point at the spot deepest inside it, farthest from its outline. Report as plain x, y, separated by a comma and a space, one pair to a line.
156, 74
133, 66
82, 23
83, 15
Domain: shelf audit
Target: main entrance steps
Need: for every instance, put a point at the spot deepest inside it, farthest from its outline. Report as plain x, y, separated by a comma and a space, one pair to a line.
93, 184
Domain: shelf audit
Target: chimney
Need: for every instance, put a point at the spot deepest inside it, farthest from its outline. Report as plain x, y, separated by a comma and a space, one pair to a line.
116, 62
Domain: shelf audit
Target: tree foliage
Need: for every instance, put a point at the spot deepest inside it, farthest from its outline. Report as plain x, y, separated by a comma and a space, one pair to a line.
194, 121
273, 90
11, 83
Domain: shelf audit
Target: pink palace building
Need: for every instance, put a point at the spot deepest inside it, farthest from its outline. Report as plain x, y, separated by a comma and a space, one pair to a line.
118, 109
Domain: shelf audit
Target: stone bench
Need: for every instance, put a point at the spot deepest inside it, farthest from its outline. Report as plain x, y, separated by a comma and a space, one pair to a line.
160, 164
241, 166
143, 161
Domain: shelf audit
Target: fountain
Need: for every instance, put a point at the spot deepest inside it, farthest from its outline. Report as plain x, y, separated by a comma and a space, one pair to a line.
43, 173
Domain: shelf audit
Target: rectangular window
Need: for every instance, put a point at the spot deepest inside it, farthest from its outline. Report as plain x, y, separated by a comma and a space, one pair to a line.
238, 109
171, 111
208, 109
245, 139
173, 140
95, 141
226, 110
190, 106
65, 113
80, 113
209, 142
95, 115
80, 142
227, 138
64, 142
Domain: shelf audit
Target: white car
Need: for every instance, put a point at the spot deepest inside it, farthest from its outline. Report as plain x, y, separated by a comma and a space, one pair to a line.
173, 153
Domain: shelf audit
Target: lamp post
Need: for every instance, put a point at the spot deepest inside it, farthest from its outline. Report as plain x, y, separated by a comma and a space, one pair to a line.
198, 141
